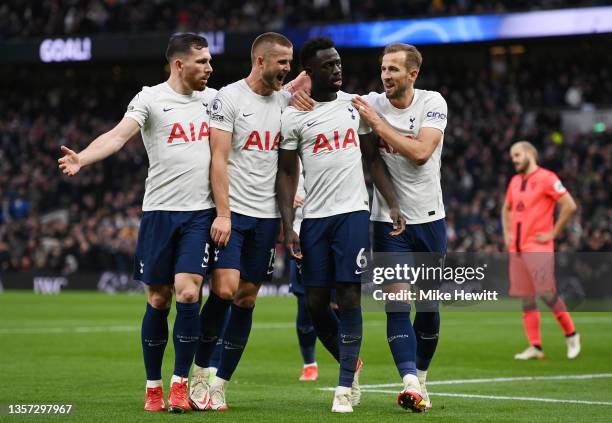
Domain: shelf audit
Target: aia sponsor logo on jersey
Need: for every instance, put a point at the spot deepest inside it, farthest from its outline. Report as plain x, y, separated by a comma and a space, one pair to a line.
390, 150
336, 141
183, 135
262, 142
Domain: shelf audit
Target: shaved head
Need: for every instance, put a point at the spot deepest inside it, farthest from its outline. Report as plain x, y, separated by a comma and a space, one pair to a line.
524, 156
527, 147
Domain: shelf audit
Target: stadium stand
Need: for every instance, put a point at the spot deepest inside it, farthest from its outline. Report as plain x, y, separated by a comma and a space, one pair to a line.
22, 19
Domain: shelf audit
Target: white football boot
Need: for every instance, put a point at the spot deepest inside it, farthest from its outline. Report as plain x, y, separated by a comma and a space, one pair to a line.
530, 353
573, 346
342, 400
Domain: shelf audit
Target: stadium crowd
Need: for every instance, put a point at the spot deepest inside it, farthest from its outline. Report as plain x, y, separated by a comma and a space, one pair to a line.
29, 18
89, 222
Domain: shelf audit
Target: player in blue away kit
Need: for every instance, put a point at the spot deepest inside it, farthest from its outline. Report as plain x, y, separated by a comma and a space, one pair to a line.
334, 236
411, 124
174, 244
307, 337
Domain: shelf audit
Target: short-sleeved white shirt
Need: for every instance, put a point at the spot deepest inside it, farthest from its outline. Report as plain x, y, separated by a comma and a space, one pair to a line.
175, 132
254, 122
418, 187
327, 141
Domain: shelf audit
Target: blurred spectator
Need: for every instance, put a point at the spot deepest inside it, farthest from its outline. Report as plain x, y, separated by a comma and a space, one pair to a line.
32, 18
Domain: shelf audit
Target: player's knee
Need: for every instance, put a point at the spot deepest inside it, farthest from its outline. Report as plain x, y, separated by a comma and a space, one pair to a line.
225, 293
529, 304
188, 295
245, 300
225, 284
160, 300
348, 296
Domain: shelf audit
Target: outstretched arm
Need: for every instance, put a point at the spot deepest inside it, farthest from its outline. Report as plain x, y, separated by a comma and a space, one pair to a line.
286, 185
220, 146
100, 148
382, 180
418, 149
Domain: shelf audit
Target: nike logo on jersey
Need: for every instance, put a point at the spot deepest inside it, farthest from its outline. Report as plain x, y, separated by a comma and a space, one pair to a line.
269, 272
309, 124
247, 115
167, 109
156, 344
359, 272
204, 266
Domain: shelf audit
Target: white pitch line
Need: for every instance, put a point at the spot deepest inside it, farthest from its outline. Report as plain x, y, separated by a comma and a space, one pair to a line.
499, 379
500, 397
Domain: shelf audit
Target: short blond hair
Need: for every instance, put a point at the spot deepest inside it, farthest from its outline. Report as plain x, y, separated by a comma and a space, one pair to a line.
269, 38
413, 56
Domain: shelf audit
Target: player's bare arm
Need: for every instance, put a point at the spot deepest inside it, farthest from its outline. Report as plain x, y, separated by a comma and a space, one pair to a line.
567, 207
382, 180
286, 187
100, 148
419, 149
506, 225
220, 146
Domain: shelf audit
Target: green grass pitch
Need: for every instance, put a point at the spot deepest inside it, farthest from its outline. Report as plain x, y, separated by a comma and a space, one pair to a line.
84, 349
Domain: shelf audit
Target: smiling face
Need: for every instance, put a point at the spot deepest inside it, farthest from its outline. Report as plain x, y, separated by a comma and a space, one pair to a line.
395, 75
195, 68
326, 70
275, 65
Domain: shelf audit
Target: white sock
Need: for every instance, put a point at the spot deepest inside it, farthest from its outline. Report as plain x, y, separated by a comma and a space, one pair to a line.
314, 363
410, 379
422, 375
177, 379
154, 383
341, 390
219, 383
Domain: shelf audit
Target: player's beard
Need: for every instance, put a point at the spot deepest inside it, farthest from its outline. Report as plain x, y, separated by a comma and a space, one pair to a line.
271, 81
398, 90
522, 166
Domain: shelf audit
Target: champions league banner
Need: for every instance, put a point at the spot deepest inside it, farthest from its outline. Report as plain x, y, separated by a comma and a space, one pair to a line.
423, 31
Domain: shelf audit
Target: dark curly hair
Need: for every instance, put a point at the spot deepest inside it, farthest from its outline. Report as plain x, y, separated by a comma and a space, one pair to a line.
310, 48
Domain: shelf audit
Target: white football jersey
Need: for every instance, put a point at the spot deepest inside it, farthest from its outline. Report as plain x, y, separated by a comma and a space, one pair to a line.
175, 131
254, 122
327, 141
418, 187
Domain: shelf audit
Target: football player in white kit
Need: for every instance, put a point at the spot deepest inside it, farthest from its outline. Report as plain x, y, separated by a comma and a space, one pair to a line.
174, 237
410, 123
334, 236
245, 134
